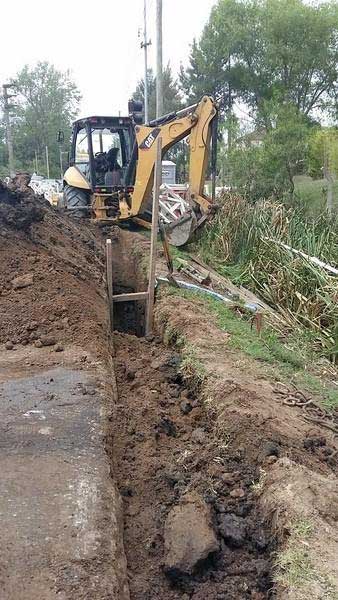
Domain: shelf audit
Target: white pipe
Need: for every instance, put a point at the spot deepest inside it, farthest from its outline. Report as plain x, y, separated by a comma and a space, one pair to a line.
197, 288
313, 259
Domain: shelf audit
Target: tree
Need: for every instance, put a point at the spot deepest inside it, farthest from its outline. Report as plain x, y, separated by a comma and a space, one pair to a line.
263, 50
172, 100
323, 160
268, 169
47, 102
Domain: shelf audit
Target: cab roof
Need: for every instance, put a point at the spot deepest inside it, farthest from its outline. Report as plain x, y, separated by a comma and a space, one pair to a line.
101, 120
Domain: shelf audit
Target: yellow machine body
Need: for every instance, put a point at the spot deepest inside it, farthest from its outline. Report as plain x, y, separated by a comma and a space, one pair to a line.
76, 179
194, 122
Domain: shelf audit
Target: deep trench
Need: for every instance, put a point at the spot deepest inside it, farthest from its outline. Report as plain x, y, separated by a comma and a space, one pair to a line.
157, 458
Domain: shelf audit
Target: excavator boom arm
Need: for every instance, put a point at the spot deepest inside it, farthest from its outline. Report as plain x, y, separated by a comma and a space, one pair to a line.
194, 121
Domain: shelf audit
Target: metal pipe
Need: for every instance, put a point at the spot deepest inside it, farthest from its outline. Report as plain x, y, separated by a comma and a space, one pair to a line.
173, 115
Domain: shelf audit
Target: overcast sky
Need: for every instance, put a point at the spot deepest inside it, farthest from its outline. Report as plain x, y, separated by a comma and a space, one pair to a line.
98, 41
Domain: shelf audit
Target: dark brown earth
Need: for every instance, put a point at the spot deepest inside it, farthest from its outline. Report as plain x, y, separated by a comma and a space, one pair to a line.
65, 264
18, 205
240, 393
296, 458
165, 446
245, 464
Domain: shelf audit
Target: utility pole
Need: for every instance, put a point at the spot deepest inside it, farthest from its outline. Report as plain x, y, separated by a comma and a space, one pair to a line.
159, 65
145, 45
7, 107
154, 233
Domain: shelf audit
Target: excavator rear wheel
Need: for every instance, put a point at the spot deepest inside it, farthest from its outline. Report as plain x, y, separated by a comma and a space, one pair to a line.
76, 201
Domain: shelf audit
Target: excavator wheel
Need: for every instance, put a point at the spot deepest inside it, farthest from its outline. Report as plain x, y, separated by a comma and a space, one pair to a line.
76, 201
180, 232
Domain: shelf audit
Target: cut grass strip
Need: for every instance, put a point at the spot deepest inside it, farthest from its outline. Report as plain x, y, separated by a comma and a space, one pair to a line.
289, 359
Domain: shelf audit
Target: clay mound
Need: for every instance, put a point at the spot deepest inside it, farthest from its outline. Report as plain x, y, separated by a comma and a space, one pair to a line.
19, 206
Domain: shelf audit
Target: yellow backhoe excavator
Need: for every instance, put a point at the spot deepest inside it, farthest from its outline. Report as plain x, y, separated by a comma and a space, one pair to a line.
112, 161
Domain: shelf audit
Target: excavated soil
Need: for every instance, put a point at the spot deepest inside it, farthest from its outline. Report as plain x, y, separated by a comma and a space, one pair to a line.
165, 446
240, 393
51, 274
226, 440
296, 457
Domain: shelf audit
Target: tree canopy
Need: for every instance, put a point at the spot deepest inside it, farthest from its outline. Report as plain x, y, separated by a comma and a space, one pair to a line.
263, 50
267, 168
47, 101
323, 160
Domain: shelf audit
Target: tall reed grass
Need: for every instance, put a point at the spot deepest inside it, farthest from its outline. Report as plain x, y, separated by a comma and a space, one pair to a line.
236, 244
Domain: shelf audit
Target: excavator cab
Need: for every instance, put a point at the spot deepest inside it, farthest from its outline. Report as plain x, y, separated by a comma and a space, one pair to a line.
112, 163
102, 146
99, 160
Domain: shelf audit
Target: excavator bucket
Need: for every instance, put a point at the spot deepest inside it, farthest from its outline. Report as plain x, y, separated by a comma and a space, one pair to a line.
180, 231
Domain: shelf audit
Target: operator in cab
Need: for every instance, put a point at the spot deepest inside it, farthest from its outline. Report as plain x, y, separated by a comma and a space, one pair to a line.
113, 175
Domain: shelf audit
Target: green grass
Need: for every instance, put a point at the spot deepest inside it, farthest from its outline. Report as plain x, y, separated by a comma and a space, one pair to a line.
302, 528
191, 367
293, 566
265, 347
321, 387
178, 254
284, 359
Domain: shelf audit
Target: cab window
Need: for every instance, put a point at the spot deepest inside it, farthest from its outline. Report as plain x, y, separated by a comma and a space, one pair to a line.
104, 139
82, 147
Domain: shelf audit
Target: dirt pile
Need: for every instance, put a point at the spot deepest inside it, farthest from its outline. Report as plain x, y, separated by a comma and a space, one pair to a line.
51, 274
306, 508
19, 206
198, 440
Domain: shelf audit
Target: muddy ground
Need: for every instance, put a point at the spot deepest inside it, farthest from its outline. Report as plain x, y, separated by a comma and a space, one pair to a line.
165, 447
214, 471
293, 461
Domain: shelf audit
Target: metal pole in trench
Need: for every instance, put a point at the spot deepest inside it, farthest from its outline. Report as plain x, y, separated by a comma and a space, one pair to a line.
154, 232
